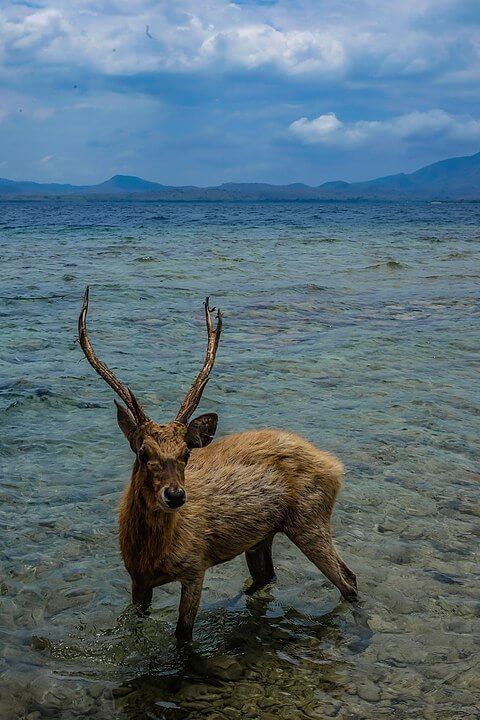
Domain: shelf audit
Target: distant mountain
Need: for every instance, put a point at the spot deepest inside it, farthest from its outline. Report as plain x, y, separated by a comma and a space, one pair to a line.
126, 184
117, 184
26, 187
453, 179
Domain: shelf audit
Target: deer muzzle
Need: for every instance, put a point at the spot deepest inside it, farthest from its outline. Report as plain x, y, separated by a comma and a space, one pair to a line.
174, 497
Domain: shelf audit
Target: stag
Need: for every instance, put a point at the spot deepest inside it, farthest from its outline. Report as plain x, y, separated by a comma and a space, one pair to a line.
192, 504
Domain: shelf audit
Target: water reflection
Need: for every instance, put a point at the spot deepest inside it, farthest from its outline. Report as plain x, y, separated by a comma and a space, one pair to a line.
243, 657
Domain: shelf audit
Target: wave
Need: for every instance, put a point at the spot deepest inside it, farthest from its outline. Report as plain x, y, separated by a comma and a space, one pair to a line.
387, 264
49, 398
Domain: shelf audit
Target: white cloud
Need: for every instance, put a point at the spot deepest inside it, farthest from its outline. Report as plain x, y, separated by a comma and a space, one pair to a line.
321, 129
329, 130
294, 51
373, 37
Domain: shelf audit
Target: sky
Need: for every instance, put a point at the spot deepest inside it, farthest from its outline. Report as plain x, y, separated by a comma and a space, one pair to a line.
209, 91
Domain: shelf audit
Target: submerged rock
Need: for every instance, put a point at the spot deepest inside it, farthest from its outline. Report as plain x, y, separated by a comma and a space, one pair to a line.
368, 691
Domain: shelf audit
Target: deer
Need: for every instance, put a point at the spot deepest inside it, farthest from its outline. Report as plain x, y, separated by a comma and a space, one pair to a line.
193, 503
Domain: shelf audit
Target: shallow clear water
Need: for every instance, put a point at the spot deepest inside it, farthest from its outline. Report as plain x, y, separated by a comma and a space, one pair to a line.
354, 325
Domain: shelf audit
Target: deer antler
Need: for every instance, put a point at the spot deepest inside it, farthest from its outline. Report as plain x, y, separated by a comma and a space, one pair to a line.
124, 392
192, 398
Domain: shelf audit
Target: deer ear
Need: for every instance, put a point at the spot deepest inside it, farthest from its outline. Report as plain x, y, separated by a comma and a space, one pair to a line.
201, 430
126, 423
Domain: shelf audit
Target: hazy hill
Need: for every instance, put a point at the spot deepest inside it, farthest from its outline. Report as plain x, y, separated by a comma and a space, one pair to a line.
116, 184
456, 179
26, 187
126, 184
453, 179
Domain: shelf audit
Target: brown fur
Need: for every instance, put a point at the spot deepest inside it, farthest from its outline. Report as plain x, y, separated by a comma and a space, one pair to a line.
241, 490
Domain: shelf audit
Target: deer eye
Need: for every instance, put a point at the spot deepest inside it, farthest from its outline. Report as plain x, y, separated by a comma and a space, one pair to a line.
142, 455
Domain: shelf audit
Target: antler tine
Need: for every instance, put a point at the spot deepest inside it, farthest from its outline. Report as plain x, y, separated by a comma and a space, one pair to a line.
193, 396
103, 370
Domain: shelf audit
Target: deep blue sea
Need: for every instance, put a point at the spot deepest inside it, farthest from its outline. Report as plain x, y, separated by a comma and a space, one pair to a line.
355, 325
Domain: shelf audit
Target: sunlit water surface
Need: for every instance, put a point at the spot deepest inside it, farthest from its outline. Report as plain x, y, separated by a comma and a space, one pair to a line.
354, 325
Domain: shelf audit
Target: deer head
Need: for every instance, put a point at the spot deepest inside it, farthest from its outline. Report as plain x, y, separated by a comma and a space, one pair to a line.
162, 451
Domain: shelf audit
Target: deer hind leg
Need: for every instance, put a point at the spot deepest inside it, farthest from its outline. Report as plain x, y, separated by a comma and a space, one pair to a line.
260, 565
317, 544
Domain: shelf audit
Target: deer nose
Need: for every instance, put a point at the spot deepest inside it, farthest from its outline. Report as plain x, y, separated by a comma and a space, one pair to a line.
174, 497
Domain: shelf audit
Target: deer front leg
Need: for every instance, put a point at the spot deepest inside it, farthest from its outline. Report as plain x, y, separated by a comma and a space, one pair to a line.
141, 596
187, 612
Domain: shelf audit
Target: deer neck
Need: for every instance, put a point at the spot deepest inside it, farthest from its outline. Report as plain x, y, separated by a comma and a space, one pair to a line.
147, 537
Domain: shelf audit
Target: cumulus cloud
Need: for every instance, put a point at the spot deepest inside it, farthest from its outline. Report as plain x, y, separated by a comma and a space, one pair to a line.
329, 130
308, 38
26, 32
294, 51
186, 37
